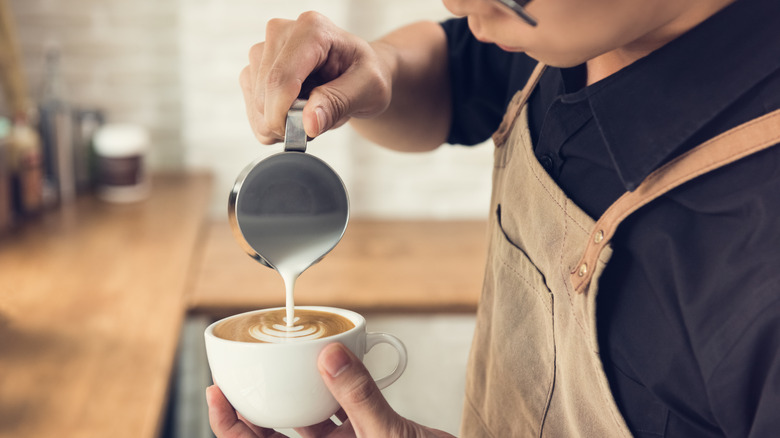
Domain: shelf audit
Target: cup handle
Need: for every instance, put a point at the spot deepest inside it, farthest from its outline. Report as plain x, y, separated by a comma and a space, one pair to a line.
373, 339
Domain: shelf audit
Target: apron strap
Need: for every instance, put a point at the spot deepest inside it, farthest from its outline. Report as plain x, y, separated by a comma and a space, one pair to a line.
516, 105
748, 138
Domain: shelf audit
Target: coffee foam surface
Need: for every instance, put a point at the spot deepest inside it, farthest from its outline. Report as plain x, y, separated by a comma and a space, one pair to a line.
271, 327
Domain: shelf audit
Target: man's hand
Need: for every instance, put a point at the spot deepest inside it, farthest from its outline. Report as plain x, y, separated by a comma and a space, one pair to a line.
369, 415
341, 74
366, 413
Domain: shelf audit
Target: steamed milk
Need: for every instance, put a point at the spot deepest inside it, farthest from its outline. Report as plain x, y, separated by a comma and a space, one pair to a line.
292, 243
270, 326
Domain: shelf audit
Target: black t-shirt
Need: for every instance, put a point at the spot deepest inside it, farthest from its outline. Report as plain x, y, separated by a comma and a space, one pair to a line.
689, 306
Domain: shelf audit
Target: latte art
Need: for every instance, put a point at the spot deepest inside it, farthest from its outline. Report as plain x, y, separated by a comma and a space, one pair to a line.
285, 333
272, 327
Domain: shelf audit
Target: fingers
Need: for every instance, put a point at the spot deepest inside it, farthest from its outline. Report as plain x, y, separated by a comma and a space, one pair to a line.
225, 422
341, 73
306, 49
354, 388
278, 34
276, 71
255, 117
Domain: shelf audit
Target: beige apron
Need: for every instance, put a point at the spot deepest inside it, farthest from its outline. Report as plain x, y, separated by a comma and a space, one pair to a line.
534, 367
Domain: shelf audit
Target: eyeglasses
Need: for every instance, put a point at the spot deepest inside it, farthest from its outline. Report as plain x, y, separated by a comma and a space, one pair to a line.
518, 6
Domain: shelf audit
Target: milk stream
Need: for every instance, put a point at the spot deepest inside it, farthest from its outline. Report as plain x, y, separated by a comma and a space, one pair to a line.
289, 277
292, 244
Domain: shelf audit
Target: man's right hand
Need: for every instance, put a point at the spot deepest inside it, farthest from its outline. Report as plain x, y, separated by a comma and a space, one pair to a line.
343, 76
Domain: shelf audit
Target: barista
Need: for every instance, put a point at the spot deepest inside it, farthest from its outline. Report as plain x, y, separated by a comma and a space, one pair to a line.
677, 334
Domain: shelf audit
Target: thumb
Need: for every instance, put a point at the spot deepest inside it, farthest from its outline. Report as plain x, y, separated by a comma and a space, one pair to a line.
353, 387
328, 108
357, 92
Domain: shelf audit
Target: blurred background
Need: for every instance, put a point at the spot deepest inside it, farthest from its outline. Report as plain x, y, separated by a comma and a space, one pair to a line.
172, 67
164, 73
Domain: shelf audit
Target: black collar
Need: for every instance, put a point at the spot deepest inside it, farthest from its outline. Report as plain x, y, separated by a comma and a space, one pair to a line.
649, 110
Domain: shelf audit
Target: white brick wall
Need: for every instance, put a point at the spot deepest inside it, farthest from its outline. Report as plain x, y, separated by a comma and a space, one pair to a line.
118, 55
172, 65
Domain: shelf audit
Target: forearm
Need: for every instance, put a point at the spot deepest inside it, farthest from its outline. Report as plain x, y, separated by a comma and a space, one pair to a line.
419, 115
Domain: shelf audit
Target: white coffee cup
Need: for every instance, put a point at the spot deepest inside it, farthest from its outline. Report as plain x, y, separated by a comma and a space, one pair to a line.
278, 385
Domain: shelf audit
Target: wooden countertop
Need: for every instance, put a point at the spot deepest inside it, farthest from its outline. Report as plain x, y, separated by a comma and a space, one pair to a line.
92, 299
91, 305
410, 266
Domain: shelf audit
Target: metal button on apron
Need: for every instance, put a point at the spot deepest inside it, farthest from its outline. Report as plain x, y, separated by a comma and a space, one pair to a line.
547, 163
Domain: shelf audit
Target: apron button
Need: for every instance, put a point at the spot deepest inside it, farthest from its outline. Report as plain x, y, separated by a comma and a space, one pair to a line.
547, 163
598, 237
582, 270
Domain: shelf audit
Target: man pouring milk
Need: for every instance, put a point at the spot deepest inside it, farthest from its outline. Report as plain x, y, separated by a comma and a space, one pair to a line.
632, 286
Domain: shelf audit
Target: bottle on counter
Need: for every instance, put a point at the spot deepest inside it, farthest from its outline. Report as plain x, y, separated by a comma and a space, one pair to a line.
6, 200
56, 128
27, 168
85, 125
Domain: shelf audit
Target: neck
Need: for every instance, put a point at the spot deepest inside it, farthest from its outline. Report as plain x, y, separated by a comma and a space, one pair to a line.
610, 62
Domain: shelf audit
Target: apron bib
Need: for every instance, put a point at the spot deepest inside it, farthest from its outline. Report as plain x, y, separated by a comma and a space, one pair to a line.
534, 367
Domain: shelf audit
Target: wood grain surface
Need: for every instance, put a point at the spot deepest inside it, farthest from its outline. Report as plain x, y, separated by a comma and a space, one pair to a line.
91, 305
379, 265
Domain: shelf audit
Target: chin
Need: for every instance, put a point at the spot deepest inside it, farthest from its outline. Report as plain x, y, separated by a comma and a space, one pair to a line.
560, 60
